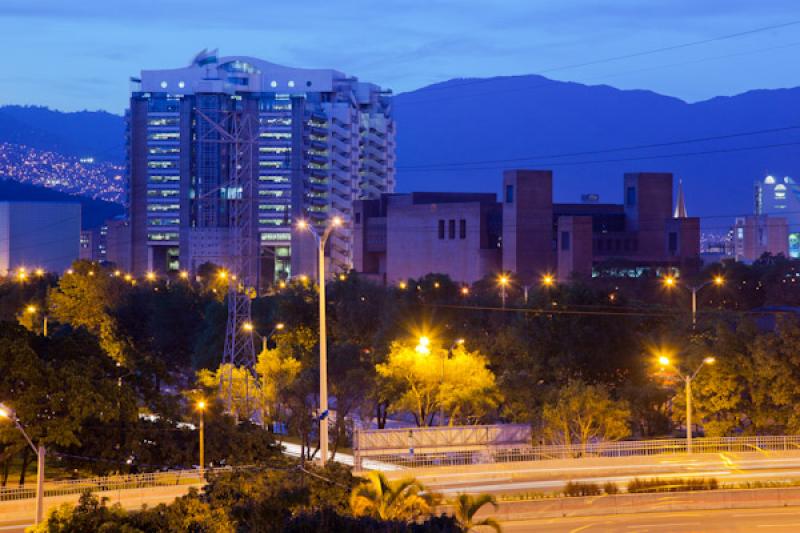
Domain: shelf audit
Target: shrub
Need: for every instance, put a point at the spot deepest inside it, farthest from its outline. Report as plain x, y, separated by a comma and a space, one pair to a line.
672, 484
329, 520
611, 488
580, 488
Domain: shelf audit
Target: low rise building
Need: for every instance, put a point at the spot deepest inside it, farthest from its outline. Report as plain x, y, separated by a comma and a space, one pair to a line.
39, 235
469, 236
756, 235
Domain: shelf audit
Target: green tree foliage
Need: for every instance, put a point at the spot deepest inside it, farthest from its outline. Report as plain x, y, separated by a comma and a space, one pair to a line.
403, 499
580, 413
56, 386
466, 507
85, 299
432, 379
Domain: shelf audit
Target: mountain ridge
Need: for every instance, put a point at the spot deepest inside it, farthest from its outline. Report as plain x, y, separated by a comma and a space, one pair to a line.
516, 120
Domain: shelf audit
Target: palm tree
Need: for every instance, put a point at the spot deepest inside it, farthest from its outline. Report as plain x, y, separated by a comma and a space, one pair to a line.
466, 507
404, 499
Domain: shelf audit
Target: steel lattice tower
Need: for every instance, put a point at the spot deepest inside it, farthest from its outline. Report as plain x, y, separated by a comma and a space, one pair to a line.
234, 132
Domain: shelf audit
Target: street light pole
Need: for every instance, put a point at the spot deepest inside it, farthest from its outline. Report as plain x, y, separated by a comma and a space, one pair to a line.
32, 310
671, 281
201, 406
687, 379
503, 281
323, 339
6, 412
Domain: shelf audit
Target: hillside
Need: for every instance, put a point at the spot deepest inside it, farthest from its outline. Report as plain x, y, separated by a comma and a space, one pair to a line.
459, 135
94, 134
527, 121
93, 212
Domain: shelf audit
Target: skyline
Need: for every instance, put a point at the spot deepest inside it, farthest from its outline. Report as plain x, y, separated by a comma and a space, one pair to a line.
404, 46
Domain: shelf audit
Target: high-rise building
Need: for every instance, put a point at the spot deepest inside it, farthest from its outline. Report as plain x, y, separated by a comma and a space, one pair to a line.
318, 139
780, 197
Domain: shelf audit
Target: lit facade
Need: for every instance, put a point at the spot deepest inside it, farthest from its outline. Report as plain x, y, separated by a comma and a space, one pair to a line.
756, 235
324, 140
36, 235
780, 197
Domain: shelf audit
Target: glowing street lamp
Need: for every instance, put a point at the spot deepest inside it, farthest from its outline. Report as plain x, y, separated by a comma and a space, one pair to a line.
32, 310
465, 291
184, 274
670, 282
503, 280
423, 346
321, 239
687, 379
9, 414
548, 280
150, 276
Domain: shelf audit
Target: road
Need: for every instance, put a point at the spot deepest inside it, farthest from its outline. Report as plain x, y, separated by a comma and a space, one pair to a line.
781, 520
529, 477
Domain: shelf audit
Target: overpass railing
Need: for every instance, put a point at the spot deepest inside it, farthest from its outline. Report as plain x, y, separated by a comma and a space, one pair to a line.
110, 483
488, 454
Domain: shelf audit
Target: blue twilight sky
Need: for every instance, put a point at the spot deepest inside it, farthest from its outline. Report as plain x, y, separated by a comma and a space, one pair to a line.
79, 55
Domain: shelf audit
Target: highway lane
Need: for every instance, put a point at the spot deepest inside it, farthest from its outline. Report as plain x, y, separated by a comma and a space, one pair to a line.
780, 520
724, 477
726, 468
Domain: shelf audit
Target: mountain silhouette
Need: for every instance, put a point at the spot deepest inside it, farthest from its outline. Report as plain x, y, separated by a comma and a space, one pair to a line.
459, 135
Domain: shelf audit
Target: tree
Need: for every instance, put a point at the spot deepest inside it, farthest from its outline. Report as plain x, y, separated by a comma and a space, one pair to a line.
430, 380
85, 299
403, 499
580, 413
467, 506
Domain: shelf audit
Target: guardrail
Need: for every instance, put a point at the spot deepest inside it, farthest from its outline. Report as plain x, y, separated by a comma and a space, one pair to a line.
487, 455
110, 483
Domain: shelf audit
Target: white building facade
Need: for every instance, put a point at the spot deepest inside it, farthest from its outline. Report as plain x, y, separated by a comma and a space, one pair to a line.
324, 140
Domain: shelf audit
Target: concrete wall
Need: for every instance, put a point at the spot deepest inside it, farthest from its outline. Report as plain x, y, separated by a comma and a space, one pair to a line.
528, 224
39, 235
414, 249
19, 510
650, 210
574, 247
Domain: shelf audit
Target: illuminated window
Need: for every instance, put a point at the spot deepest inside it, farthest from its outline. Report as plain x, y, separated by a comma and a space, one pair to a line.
291, 83
163, 85
273, 83
181, 84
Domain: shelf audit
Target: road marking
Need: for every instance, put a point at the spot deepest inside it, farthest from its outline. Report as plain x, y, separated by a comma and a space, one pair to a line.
587, 526
18, 526
665, 525
779, 525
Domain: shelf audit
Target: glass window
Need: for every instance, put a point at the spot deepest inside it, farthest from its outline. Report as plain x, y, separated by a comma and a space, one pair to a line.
565, 240
462, 228
673, 242
630, 196
441, 229
451, 229
509, 194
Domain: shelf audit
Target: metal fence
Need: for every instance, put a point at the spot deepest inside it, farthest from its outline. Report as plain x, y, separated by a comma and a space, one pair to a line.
367, 441
110, 483
488, 455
